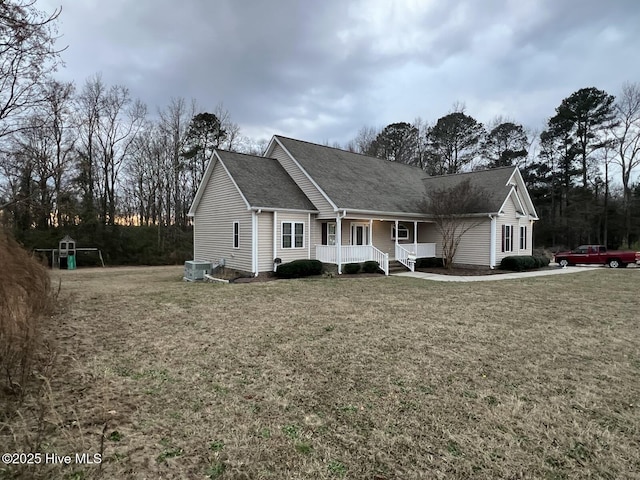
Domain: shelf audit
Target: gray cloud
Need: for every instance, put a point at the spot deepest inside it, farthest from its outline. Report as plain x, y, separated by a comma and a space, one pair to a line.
320, 70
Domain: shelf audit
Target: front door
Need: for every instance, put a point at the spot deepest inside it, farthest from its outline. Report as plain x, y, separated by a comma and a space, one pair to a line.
359, 234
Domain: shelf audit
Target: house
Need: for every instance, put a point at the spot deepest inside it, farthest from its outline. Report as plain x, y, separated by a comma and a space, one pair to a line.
306, 201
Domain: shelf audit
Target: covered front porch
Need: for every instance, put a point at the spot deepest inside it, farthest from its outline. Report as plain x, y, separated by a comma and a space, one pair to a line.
355, 240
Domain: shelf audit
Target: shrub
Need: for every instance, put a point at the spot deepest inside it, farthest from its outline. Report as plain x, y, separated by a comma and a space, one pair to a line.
371, 266
351, 268
519, 263
429, 262
299, 268
25, 298
542, 261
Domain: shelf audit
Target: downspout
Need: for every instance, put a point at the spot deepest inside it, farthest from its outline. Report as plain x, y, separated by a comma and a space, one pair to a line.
309, 244
254, 242
492, 242
275, 238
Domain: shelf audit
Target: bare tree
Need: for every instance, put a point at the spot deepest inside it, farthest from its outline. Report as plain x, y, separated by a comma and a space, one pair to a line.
109, 120
627, 135
121, 120
364, 139
60, 126
455, 210
27, 57
173, 126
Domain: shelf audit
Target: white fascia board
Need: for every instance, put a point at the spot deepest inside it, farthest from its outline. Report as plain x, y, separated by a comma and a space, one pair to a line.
304, 172
235, 184
378, 213
525, 193
275, 209
501, 209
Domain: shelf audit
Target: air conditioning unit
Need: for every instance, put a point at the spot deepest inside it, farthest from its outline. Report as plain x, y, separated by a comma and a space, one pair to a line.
195, 270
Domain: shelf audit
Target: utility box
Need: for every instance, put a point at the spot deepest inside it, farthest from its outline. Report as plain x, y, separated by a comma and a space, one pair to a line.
194, 270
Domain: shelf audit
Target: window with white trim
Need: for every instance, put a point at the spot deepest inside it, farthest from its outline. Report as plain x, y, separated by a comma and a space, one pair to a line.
236, 234
292, 235
403, 232
507, 238
523, 237
331, 233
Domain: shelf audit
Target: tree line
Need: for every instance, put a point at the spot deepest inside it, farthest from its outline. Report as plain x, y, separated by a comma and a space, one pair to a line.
94, 157
581, 169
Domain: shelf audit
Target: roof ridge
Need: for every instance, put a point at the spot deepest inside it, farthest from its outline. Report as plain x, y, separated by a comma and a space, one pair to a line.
221, 150
351, 153
472, 172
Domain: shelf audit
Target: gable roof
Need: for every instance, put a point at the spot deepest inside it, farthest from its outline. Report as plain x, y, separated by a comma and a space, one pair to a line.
262, 182
354, 181
495, 182
358, 182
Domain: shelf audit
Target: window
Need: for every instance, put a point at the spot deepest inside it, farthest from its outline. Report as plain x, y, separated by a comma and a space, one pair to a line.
292, 235
507, 238
328, 234
523, 238
403, 232
236, 234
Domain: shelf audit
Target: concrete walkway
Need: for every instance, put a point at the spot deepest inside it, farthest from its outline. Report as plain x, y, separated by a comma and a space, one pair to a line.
498, 276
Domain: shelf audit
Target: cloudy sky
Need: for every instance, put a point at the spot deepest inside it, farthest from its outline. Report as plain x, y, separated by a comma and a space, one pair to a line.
319, 70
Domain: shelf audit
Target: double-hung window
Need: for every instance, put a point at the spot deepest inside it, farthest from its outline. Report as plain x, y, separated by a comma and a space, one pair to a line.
236, 234
292, 235
507, 238
328, 233
523, 238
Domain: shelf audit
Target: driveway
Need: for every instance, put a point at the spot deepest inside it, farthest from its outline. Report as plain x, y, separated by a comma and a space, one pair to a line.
488, 278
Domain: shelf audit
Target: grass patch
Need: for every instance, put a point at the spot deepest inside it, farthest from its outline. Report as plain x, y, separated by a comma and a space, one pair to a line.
415, 377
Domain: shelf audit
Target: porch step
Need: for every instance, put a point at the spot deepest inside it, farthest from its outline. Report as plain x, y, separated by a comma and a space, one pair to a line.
396, 267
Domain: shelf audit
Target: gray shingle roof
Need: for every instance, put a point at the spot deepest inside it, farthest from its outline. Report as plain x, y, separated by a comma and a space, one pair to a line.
493, 181
264, 182
360, 182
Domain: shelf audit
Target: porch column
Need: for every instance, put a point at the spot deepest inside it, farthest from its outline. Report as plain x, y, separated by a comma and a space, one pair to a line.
339, 242
395, 252
492, 241
415, 238
396, 232
370, 231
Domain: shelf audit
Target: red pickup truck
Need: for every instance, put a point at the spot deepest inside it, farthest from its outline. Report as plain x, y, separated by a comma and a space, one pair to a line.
597, 254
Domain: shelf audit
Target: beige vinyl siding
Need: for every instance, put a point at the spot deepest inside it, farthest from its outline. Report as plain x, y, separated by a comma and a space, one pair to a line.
290, 254
474, 245
509, 218
316, 234
303, 181
382, 236
219, 207
265, 242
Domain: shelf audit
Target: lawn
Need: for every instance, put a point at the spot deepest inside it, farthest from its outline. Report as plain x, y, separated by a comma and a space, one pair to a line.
373, 378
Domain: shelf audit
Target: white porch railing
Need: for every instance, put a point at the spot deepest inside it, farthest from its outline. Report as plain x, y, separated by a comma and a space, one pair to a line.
352, 254
407, 253
405, 257
425, 250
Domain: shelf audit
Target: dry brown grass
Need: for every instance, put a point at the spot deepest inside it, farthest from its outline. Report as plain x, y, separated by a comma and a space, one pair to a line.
24, 299
378, 378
